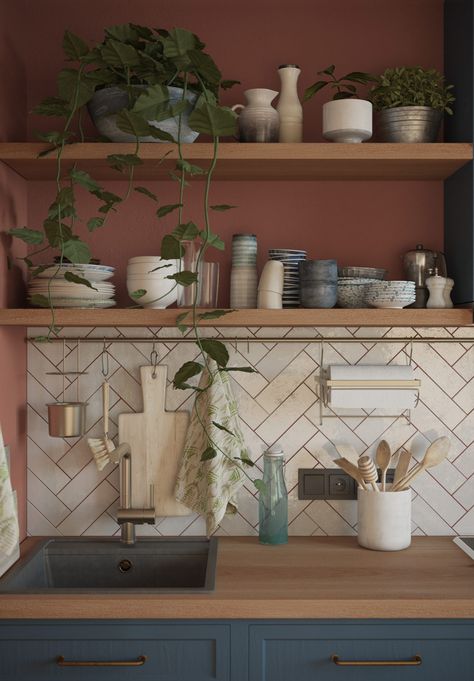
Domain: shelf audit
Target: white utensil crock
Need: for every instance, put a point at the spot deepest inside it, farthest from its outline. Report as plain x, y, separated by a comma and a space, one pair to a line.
384, 520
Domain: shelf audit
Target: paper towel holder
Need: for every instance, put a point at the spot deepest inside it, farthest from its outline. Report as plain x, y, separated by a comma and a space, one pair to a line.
325, 384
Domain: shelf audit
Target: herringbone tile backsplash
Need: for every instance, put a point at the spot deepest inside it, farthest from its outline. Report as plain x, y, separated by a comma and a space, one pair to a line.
67, 495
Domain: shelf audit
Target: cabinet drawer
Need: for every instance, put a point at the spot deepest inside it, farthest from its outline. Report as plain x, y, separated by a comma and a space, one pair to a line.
305, 652
174, 652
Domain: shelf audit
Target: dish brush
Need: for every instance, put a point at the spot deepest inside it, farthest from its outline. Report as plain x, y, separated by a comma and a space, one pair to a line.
102, 447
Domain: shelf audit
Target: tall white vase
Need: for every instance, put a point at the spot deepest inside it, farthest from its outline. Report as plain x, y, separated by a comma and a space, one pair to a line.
289, 106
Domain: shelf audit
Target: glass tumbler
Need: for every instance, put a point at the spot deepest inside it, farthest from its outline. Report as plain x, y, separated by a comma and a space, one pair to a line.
208, 284
188, 263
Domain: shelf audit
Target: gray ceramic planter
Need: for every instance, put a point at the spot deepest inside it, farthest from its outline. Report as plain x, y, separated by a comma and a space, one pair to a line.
106, 103
408, 124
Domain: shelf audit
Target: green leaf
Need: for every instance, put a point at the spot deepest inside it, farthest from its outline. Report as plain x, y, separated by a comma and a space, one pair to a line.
360, 77
213, 240
208, 454
55, 138
178, 43
38, 270
106, 196
213, 314
228, 84
186, 231
187, 167
245, 370
123, 33
171, 249
260, 485
139, 293
221, 207
115, 53
146, 192
74, 47
153, 103
132, 123
121, 162
64, 204
160, 134
221, 427
247, 461
185, 372
84, 179
313, 89
37, 300
343, 95
216, 350
213, 120
329, 71
52, 106
75, 89
169, 208
56, 232
184, 278
29, 236
75, 279
76, 250
179, 319
205, 66
94, 223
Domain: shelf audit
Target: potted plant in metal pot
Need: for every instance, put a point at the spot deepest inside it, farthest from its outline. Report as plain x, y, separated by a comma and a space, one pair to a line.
410, 102
346, 118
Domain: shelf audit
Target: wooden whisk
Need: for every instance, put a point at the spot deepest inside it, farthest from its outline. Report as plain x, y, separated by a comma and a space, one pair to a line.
368, 471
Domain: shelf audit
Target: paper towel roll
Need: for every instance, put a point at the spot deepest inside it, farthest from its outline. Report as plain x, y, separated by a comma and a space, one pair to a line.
373, 398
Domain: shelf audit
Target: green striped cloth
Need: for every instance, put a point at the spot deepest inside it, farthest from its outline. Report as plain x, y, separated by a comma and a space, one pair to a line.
9, 531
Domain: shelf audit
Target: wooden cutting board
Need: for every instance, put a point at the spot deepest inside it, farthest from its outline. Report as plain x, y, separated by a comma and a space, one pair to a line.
156, 438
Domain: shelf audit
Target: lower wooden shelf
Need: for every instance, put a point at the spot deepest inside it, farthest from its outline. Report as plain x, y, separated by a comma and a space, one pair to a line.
241, 318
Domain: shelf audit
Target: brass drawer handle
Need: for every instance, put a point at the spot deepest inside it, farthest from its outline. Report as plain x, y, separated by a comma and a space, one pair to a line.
139, 662
414, 662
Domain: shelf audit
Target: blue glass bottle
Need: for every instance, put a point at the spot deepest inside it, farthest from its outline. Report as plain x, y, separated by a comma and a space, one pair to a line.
273, 500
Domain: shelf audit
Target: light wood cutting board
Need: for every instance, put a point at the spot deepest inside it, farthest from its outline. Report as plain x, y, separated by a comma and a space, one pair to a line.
156, 438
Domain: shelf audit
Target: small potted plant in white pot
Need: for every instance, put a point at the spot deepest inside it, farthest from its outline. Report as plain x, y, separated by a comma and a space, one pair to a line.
410, 102
346, 118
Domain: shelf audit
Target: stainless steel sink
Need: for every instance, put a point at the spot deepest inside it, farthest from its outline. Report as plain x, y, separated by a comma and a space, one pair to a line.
103, 565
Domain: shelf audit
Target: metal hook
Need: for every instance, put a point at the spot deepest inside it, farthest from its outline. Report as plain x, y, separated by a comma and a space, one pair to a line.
105, 361
248, 345
154, 359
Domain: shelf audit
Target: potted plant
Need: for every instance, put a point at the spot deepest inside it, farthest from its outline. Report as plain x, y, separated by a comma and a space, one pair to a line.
410, 102
346, 118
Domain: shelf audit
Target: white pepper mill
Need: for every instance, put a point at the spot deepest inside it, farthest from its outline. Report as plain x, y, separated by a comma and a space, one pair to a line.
437, 286
289, 106
447, 293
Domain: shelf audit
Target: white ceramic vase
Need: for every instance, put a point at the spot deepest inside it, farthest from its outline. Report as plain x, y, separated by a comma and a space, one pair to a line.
258, 121
289, 106
347, 120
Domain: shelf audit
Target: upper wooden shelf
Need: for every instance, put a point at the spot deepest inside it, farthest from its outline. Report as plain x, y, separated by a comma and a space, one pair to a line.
306, 161
241, 318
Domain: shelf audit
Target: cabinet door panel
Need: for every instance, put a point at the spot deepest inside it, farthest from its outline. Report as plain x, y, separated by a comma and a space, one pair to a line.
173, 653
305, 652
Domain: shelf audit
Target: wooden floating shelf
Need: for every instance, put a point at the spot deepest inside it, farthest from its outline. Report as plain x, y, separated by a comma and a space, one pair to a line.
241, 318
306, 161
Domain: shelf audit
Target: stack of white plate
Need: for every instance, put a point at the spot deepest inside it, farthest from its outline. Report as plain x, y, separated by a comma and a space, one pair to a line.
291, 278
52, 284
391, 294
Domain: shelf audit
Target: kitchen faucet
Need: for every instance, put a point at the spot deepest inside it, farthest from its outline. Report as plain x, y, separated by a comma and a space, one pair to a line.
127, 516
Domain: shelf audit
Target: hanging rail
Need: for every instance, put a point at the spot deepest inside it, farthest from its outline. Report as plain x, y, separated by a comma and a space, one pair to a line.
254, 339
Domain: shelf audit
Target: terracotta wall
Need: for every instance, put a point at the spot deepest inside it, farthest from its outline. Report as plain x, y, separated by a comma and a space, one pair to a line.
13, 211
358, 223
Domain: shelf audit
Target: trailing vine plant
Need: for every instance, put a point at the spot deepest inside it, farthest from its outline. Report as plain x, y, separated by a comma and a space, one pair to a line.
143, 62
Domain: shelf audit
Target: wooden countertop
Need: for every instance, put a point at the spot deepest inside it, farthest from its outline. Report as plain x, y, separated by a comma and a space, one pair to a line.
311, 577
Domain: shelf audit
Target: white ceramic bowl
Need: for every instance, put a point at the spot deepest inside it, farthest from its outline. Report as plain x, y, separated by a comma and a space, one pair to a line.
159, 292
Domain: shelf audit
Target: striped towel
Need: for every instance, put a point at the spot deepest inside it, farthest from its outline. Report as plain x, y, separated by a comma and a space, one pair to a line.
9, 530
210, 487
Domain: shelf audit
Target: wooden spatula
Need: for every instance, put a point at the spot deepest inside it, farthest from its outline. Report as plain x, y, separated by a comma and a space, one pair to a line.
434, 455
402, 466
382, 459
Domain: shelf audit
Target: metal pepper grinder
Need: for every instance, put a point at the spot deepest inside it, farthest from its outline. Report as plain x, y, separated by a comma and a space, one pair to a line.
419, 264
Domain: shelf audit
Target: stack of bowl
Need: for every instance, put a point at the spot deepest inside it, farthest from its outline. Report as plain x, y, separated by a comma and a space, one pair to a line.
291, 281
243, 276
148, 273
51, 284
391, 294
362, 272
352, 291
318, 283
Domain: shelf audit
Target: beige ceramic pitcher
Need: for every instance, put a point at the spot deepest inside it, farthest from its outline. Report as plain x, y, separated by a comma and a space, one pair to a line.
258, 121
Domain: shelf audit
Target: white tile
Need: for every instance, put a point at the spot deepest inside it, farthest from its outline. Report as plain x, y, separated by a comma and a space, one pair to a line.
465, 430
466, 524
37, 524
45, 469
286, 382
278, 358
427, 519
465, 397
91, 508
302, 526
78, 489
435, 366
465, 461
465, 494
45, 501
37, 427
286, 414
437, 497
329, 519
465, 365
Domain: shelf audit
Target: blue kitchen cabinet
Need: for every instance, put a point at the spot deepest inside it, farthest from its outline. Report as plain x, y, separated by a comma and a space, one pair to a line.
254, 650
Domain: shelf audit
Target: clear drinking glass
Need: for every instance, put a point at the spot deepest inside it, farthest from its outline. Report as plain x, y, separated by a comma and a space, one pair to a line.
188, 263
208, 284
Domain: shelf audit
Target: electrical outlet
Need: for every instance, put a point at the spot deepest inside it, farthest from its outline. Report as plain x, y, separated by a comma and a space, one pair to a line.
329, 483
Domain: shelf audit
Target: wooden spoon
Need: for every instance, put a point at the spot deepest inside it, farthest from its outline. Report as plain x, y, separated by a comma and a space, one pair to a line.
434, 455
368, 471
402, 466
382, 459
352, 470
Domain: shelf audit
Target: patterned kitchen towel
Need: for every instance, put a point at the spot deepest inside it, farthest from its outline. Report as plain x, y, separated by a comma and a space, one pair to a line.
9, 531
209, 487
